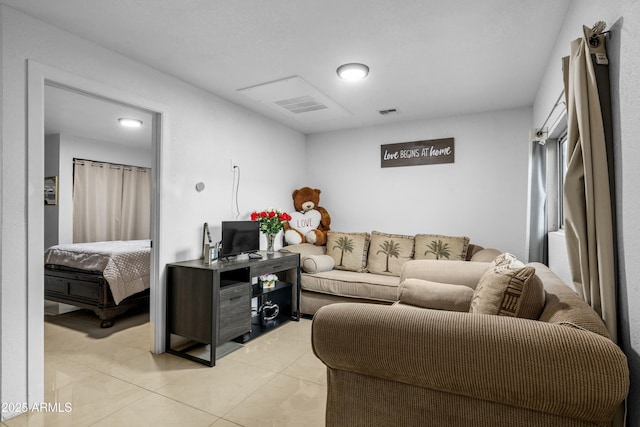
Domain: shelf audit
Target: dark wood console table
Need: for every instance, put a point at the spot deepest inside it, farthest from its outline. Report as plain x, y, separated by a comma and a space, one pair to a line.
211, 304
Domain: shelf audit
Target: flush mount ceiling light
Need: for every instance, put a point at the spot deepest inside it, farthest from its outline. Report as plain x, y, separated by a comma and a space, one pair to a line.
353, 71
130, 123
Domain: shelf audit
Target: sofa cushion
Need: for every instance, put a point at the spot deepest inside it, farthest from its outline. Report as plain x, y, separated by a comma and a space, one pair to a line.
388, 252
375, 287
511, 292
348, 250
435, 246
434, 295
317, 263
454, 272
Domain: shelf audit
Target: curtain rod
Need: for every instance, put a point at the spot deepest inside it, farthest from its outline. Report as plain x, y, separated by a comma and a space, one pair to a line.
597, 30
540, 130
75, 159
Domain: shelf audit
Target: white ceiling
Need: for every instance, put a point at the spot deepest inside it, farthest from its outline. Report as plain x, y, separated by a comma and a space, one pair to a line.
72, 113
427, 58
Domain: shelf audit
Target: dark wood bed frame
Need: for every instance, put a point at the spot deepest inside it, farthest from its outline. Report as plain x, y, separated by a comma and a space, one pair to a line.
88, 289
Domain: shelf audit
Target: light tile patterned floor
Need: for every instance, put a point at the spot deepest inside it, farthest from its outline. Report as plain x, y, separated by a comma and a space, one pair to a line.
111, 379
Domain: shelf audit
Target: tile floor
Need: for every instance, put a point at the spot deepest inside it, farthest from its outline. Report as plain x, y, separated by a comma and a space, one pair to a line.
110, 378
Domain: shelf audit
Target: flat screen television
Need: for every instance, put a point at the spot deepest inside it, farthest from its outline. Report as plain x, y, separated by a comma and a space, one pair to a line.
239, 237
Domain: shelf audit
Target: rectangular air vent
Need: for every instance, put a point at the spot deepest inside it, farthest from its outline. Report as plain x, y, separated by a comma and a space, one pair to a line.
301, 104
297, 99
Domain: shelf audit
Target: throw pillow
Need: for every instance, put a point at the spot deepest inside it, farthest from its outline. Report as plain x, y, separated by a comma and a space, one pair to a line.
435, 246
388, 252
505, 261
509, 292
317, 263
434, 295
348, 250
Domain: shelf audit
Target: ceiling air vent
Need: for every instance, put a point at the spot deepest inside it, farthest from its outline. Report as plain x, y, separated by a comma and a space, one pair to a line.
296, 99
301, 104
389, 112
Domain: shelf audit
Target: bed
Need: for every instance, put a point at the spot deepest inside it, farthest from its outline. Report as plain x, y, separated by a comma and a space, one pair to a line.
106, 277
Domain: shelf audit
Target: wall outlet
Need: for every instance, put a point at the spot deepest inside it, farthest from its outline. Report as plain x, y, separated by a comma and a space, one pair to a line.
234, 165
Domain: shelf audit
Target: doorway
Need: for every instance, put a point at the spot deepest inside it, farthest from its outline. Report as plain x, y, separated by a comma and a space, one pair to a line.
39, 78
102, 174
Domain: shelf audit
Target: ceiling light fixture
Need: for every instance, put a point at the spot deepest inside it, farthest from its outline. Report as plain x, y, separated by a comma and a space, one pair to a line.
130, 123
353, 71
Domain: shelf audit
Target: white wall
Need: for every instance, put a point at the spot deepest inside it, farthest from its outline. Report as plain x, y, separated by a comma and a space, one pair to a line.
482, 195
52, 168
82, 148
623, 45
202, 133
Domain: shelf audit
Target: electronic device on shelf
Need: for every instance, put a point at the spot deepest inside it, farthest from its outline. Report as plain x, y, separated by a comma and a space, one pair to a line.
239, 237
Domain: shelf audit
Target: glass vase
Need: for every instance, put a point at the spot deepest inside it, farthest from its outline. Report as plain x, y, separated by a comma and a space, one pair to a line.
270, 239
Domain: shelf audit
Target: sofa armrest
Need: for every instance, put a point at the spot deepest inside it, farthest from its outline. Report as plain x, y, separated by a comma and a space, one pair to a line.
518, 362
485, 255
305, 249
465, 273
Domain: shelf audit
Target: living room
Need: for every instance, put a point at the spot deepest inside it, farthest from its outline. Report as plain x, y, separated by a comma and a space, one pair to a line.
482, 195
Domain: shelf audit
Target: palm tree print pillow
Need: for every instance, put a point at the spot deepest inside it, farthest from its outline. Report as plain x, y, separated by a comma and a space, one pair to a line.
348, 250
388, 252
435, 246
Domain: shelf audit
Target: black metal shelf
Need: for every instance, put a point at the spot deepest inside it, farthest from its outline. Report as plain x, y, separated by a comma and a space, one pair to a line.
258, 290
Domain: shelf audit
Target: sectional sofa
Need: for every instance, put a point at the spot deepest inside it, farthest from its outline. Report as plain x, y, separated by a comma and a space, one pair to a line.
450, 352
363, 278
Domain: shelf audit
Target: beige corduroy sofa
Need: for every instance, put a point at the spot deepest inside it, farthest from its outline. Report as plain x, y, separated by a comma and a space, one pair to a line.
402, 365
328, 287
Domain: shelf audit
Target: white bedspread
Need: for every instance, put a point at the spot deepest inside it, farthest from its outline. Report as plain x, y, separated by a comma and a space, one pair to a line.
124, 264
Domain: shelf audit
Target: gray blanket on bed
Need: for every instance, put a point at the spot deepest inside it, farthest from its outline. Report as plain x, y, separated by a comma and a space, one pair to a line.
124, 264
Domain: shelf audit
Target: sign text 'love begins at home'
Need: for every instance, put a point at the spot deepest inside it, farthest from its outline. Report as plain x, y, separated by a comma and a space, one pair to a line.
434, 151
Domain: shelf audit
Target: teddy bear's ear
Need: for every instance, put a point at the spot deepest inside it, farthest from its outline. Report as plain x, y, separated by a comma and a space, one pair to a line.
316, 190
295, 193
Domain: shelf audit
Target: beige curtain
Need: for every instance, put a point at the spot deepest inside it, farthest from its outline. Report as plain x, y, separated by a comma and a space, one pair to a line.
97, 201
110, 202
587, 193
136, 203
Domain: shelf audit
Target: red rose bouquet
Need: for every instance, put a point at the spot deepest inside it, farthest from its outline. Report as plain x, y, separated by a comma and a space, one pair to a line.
271, 220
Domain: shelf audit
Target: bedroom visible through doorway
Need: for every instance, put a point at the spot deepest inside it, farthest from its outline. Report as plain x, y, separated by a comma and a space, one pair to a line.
97, 207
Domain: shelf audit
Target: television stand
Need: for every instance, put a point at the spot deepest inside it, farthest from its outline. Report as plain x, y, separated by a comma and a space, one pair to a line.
209, 305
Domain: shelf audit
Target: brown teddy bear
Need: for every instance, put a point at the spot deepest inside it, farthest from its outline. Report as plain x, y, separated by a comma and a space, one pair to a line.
310, 222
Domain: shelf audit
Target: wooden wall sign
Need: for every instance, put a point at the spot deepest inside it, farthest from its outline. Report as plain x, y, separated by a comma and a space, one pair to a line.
431, 152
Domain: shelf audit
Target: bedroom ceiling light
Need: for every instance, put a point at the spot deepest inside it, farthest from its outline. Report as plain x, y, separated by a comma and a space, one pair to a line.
353, 71
130, 123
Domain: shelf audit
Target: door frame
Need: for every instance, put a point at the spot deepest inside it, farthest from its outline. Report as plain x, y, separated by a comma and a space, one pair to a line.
39, 75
